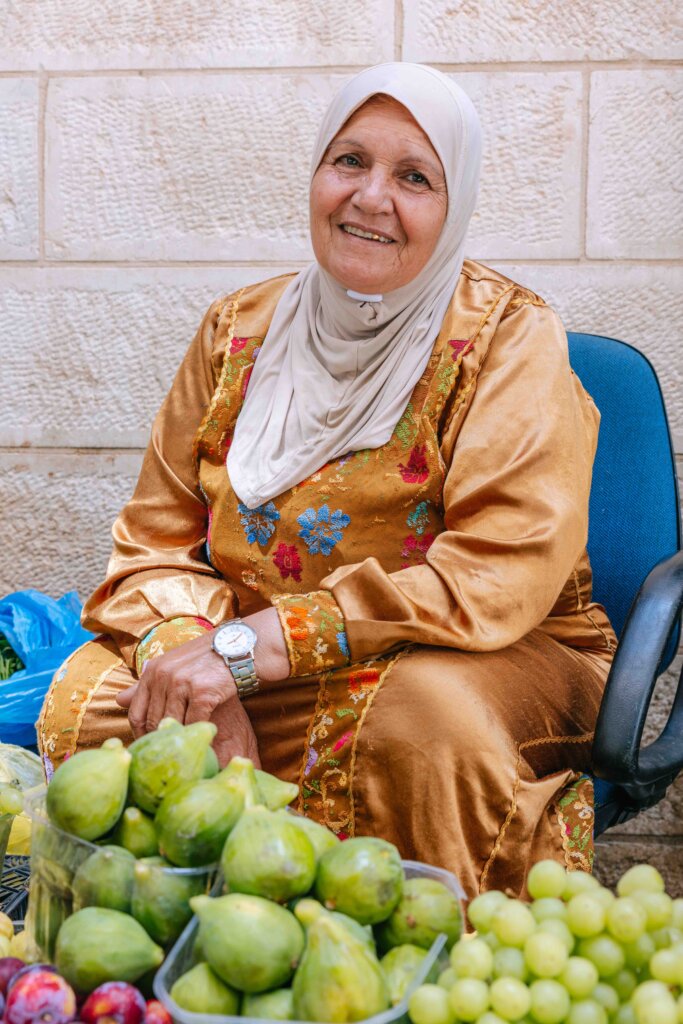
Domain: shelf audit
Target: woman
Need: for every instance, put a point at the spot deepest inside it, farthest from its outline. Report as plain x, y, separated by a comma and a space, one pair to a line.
394, 504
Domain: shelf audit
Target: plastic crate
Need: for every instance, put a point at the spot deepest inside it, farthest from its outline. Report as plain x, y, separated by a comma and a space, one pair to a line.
14, 887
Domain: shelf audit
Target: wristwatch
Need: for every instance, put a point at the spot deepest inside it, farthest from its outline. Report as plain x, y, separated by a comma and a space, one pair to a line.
234, 641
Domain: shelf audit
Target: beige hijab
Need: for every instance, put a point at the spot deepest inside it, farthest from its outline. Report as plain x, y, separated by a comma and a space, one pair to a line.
335, 371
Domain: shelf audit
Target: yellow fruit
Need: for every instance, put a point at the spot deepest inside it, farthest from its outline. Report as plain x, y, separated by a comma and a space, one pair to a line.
4, 946
20, 836
6, 926
17, 946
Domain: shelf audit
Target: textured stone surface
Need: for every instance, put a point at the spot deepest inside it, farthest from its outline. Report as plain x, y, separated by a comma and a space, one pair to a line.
18, 168
56, 513
635, 201
474, 31
529, 200
615, 856
91, 352
182, 167
74, 34
641, 305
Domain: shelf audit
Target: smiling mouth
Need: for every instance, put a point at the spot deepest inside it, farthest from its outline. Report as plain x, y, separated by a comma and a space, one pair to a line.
369, 235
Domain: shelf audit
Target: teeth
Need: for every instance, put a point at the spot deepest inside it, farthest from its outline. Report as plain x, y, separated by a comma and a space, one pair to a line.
365, 234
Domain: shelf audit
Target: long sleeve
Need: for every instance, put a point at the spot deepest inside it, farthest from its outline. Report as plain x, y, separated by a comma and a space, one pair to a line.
157, 571
519, 451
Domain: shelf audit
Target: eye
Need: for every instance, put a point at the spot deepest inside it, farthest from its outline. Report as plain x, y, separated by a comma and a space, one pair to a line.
348, 160
416, 178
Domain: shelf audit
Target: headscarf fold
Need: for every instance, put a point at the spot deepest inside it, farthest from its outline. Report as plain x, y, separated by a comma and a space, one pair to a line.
336, 369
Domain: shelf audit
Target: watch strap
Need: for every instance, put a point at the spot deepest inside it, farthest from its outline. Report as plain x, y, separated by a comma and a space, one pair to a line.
244, 673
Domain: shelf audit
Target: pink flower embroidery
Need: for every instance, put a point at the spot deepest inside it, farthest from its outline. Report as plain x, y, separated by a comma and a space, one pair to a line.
343, 741
287, 560
417, 470
245, 382
459, 347
415, 550
237, 344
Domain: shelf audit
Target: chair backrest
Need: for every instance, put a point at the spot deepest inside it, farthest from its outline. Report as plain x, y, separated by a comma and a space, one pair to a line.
634, 519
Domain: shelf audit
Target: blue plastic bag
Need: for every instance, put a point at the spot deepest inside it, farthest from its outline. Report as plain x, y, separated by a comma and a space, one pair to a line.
43, 632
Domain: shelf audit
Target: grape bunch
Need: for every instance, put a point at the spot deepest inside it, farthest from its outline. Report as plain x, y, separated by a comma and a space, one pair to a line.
577, 953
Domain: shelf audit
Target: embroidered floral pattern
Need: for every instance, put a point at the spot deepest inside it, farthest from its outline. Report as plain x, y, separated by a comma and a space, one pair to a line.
459, 347
576, 817
321, 531
418, 519
313, 626
417, 470
168, 635
258, 523
237, 344
288, 562
415, 550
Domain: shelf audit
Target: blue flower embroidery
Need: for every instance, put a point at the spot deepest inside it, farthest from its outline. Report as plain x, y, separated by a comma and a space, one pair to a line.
321, 531
343, 643
258, 523
419, 518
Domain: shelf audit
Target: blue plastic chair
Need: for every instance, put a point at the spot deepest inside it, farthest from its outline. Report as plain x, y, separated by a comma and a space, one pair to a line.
634, 545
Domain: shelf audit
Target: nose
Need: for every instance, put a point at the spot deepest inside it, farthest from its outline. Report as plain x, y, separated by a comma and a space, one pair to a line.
373, 194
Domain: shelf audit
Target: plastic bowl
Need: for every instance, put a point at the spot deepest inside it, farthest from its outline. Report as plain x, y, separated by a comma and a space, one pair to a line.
181, 958
56, 856
6, 821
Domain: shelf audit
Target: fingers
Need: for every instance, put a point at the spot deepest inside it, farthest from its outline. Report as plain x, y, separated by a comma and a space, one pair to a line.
200, 708
176, 705
137, 712
124, 697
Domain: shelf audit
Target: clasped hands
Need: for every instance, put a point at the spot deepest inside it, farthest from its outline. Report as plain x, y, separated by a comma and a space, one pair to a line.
193, 684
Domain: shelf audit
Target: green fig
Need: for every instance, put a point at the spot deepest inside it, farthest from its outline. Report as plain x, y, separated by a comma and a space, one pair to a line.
400, 966
241, 772
338, 979
11, 799
266, 855
165, 759
308, 910
211, 765
161, 895
199, 990
87, 793
275, 1005
135, 831
321, 837
251, 943
275, 793
361, 877
426, 909
194, 820
105, 879
97, 945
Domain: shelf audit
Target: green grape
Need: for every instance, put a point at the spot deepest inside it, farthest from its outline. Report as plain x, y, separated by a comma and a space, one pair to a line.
585, 915
549, 1001
579, 881
481, 909
490, 1018
625, 1015
665, 937
605, 952
510, 998
469, 998
638, 953
579, 977
509, 963
641, 877
626, 919
658, 907
548, 907
546, 954
677, 913
587, 1011
667, 965
429, 1004
659, 1011
492, 941
605, 897
624, 983
547, 878
607, 997
513, 923
447, 978
680, 1008
472, 958
553, 926
649, 992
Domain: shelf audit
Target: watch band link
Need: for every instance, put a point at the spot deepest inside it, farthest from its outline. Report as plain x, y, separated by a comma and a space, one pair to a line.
244, 674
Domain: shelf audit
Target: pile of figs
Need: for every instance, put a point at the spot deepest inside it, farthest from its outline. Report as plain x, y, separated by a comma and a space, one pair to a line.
300, 926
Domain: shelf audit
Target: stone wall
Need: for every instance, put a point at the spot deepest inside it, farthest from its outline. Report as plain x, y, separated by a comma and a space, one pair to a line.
154, 155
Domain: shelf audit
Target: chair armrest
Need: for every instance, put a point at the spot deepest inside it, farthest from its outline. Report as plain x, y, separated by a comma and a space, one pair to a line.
617, 757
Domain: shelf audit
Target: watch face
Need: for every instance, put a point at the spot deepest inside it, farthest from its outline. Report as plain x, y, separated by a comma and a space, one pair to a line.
235, 640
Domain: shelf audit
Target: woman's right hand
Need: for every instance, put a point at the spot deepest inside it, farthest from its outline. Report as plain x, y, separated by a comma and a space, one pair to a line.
235, 736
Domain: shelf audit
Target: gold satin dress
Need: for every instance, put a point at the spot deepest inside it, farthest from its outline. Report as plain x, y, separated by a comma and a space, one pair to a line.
447, 660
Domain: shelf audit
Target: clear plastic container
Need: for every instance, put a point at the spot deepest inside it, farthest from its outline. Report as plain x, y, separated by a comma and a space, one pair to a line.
181, 958
56, 856
6, 821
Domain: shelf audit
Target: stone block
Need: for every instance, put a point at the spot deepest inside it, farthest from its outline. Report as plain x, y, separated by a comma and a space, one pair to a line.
89, 353
18, 169
506, 30
635, 202
182, 167
642, 305
529, 202
615, 856
75, 34
56, 512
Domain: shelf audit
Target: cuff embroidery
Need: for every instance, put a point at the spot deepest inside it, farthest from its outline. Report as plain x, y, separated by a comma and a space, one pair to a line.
314, 631
167, 635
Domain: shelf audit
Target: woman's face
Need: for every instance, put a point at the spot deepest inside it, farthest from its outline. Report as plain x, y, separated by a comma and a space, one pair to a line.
380, 176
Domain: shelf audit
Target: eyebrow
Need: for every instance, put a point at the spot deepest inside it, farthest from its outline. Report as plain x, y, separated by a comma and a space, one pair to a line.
413, 159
